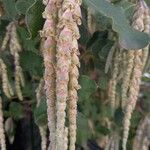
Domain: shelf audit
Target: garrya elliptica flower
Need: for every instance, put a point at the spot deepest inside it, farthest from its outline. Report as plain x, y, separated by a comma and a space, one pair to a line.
49, 53
2, 135
15, 48
60, 53
142, 138
7, 89
135, 79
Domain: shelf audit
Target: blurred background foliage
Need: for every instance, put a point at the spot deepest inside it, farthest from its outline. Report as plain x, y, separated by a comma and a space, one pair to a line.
95, 120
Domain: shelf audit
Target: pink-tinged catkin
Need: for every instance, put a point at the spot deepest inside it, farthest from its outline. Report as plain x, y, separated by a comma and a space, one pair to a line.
49, 53
136, 76
62, 77
67, 69
2, 135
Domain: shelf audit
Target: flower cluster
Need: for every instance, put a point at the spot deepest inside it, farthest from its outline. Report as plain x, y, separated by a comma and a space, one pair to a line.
15, 48
61, 60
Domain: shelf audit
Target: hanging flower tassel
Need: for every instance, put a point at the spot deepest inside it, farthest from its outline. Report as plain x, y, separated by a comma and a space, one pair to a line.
142, 138
67, 71
49, 53
136, 75
2, 135
7, 89
15, 48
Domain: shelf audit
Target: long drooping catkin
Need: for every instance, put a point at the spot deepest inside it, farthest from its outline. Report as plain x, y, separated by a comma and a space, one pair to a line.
49, 53
135, 78
62, 71
113, 82
133, 94
15, 48
90, 22
142, 138
146, 30
73, 75
39, 91
5, 83
42, 131
137, 24
2, 135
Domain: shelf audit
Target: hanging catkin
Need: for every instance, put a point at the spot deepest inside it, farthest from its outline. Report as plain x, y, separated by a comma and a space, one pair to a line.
74, 74
7, 89
61, 68
39, 91
142, 138
146, 30
42, 131
2, 135
113, 81
136, 76
15, 48
137, 24
49, 53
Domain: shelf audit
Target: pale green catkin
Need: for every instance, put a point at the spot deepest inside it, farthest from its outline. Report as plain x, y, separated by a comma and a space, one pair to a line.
142, 138
146, 30
7, 89
136, 75
90, 22
2, 135
139, 25
15, 47
113, 82
43, 132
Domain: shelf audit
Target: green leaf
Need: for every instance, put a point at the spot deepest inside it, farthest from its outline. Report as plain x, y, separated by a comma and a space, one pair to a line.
34, 20
129, 38
32, 63
105, 50
28, 44
88, 87
40, 114
16, 110
10, 10
103, 82
23, 5
82, 128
